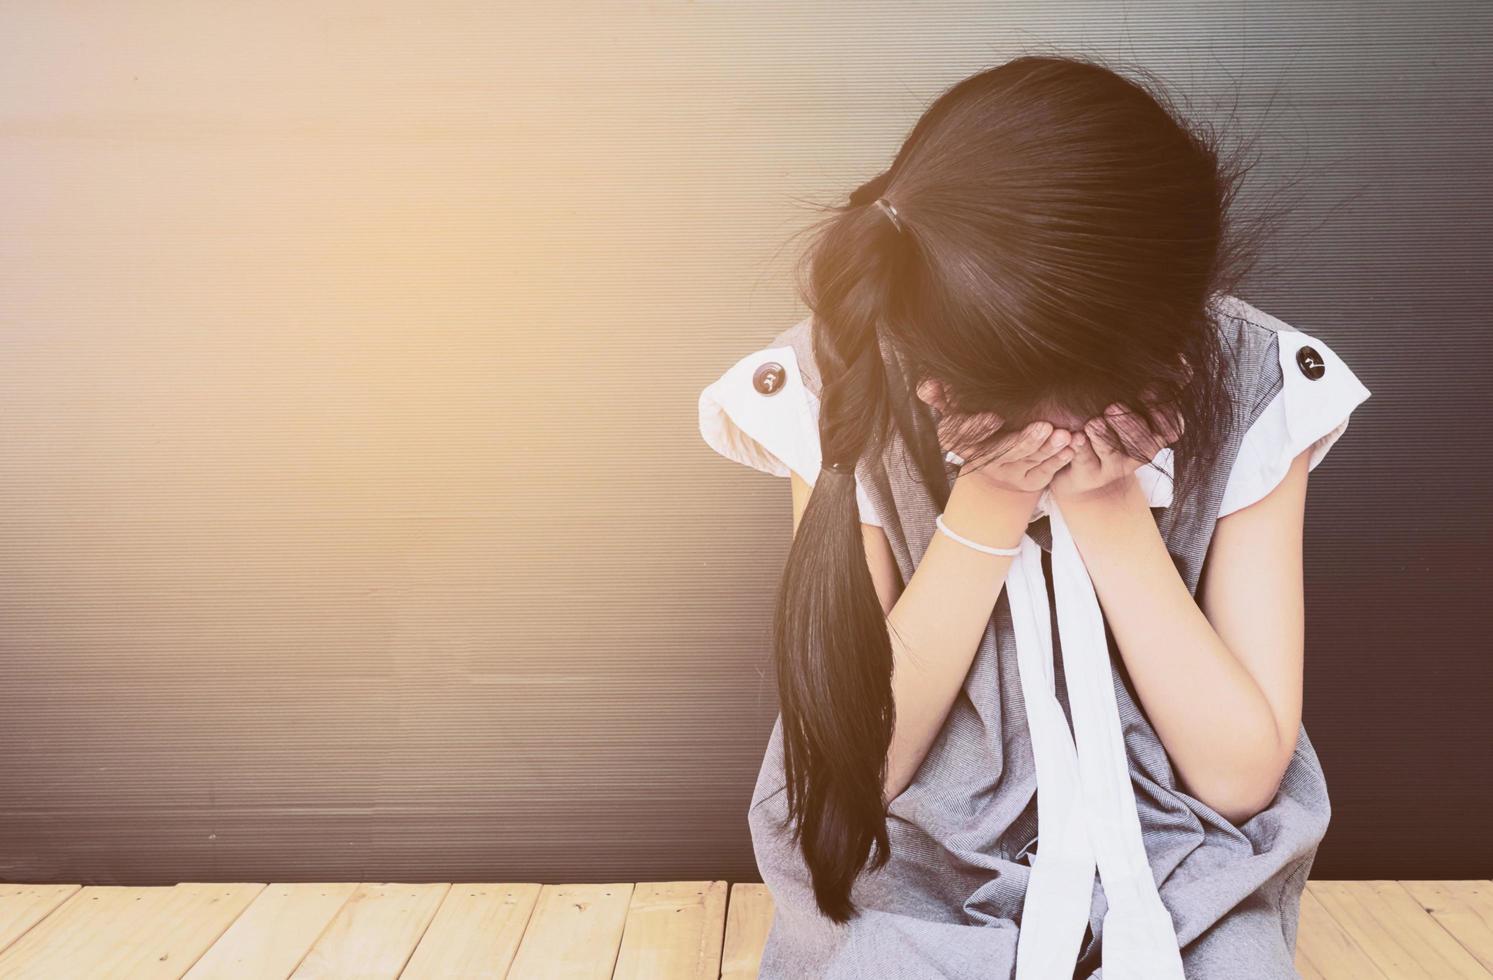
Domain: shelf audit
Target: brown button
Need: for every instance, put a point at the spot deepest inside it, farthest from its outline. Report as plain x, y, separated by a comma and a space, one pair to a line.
1311, 362
769, 378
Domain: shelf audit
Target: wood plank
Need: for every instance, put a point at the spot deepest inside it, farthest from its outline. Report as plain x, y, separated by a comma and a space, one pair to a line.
674, 931
1350, 930
273, 934
374, 933
118, 931
574, 933
1396, 933
23, 906
1464, 909
1324, 951
748, 920
476, 933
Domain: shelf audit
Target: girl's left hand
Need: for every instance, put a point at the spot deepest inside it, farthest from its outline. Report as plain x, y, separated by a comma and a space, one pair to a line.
1099, 465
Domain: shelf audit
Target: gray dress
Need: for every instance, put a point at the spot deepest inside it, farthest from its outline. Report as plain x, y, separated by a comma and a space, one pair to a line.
948, 904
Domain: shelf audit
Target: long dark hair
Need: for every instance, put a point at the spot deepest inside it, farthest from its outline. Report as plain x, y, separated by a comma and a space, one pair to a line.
1064, 231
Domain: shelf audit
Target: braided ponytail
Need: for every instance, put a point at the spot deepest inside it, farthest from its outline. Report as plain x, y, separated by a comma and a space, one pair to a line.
832, 651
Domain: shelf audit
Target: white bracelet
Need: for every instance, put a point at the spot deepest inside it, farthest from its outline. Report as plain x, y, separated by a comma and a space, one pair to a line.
988, 549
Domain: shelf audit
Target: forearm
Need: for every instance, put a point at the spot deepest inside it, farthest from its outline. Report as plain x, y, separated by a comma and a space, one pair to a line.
1215, 721
938, 621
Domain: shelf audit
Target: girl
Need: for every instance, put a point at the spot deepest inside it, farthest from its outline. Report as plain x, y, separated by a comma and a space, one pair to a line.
1042, 615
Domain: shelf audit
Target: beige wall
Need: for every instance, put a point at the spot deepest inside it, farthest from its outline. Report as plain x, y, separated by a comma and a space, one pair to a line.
355, 524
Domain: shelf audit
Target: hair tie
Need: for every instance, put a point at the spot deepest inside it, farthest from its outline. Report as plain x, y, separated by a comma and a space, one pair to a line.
839, 469
890, 212
977, 546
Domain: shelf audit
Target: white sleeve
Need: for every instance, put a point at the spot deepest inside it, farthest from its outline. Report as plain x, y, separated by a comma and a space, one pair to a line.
1310, 412
758, 413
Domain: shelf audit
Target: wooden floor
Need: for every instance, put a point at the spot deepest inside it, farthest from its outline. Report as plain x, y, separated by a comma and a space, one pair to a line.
701, 930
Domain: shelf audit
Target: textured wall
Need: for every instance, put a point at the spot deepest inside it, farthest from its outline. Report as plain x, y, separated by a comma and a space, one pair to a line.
353, 519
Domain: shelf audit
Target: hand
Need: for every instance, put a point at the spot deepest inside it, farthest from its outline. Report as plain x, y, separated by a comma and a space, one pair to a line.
1100, 465
1024, 462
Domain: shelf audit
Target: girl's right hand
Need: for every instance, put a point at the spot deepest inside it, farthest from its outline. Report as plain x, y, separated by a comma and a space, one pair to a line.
1024, 462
